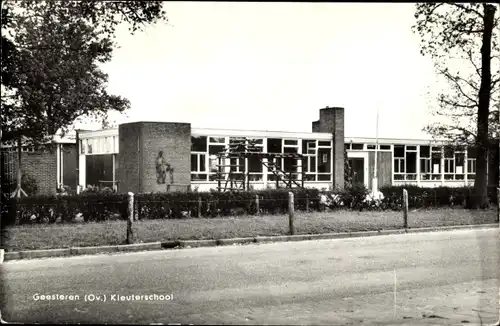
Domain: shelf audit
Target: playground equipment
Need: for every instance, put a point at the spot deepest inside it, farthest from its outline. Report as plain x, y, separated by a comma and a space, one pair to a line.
236, 177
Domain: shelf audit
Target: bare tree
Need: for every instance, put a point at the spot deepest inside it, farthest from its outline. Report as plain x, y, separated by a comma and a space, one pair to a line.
462, 40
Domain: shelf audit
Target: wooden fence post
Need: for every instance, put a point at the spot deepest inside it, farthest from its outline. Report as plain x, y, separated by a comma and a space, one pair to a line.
130, 232
291, 207
199, 207
257, 204
405, 208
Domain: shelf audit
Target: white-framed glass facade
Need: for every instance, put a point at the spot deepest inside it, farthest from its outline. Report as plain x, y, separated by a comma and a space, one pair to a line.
436, 163
414, 163
316, 165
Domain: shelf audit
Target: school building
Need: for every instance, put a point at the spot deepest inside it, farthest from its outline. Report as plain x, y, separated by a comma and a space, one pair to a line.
164, 156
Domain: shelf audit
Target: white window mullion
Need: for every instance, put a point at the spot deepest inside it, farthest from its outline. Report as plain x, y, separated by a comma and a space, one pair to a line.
465, 167
418, 165
265, 160
299, 161
58, 165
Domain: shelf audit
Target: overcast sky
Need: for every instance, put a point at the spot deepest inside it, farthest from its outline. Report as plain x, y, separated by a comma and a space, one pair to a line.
272, 66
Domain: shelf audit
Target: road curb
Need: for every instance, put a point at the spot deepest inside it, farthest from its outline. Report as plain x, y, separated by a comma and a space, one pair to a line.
119, 248
235, 241
452, 227
197, 243
48, 253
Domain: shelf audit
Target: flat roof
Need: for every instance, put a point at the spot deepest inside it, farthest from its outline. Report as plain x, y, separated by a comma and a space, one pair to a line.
217, 132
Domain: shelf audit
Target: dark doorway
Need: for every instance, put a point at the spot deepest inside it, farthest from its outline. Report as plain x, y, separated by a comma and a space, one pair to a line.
357, 170
99, 168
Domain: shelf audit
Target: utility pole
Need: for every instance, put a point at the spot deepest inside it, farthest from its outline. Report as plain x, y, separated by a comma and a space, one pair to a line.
375, 165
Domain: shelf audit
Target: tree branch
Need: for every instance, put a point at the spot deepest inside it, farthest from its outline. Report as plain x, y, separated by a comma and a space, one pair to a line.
468, 83
471, 59
494, 83
469, 10
469, 31
456, 104
466, 132
459, 87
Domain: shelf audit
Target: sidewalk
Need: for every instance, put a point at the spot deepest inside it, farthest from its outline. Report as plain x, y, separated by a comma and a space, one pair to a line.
475, 303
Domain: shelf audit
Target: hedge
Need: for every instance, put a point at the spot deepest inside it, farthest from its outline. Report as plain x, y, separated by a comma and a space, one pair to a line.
419, 197
176, 205
101, 206
94, 206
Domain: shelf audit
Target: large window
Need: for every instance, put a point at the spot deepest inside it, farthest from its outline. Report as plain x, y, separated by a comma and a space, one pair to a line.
436, 162
471, 168
98, 145
399, 162
454, 163
216, 145
199, 158
199, 144
425, 162
357, 147
471, 163
405, 162
254, 162
237, 165
198, 166
254, 168
324, 161
309, 161
274, 145
291, 164
411, 163
459, 164
449, 163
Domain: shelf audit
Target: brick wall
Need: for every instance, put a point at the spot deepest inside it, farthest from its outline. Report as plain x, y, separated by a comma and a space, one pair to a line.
315, 127
41, 166
140, 144
174, 139
129, 135
331, 120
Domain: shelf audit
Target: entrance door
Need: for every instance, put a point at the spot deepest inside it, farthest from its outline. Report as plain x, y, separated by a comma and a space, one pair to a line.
359, 167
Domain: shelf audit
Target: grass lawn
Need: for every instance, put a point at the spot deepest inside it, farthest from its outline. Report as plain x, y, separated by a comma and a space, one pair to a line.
114, 232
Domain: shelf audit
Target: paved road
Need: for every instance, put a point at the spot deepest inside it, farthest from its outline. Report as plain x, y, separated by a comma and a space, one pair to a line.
416, 279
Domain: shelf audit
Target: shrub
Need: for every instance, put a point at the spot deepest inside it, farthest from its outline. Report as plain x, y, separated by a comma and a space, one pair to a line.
351, 197
48, 209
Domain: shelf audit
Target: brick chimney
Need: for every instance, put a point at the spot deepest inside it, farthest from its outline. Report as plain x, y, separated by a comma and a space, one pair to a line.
331, 120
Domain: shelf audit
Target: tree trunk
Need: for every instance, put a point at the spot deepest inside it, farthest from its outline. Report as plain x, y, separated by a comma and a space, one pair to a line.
1, 170
19, 190
480, 194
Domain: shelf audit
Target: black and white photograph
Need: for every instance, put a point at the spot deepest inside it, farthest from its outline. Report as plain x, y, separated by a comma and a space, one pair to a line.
250, 163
